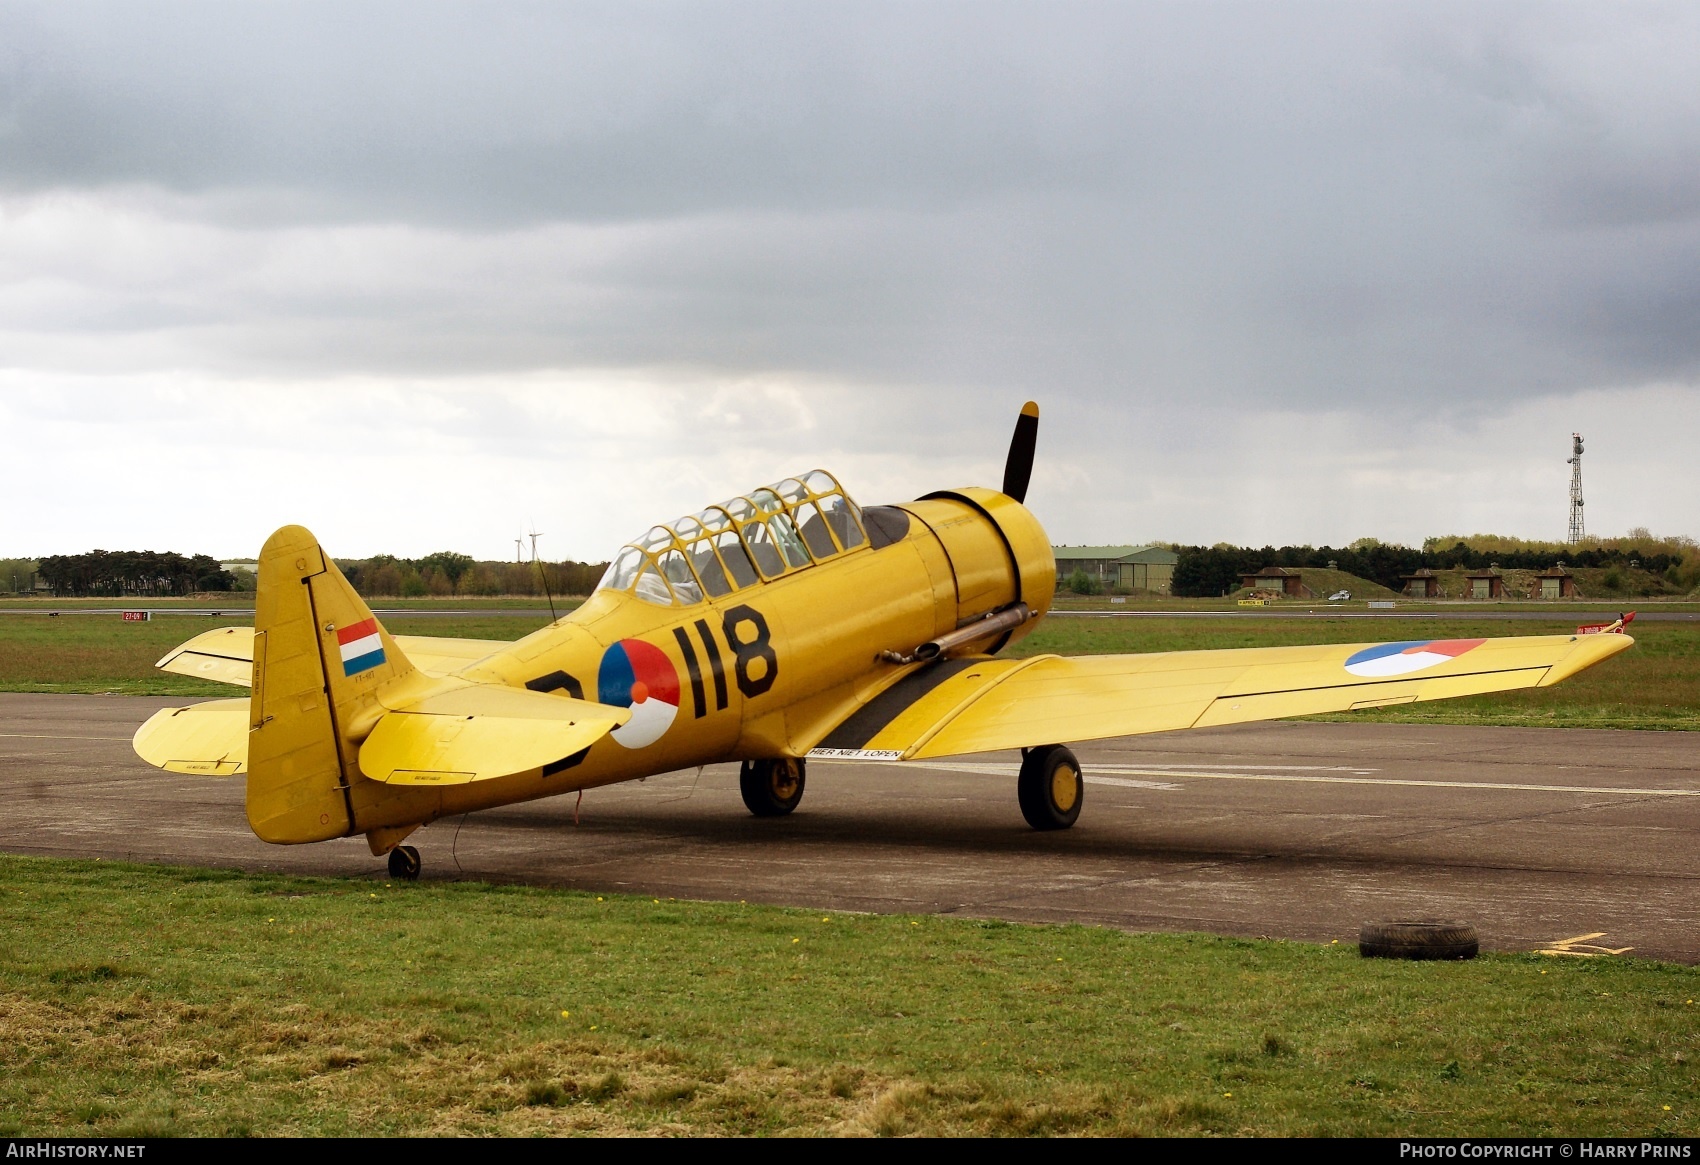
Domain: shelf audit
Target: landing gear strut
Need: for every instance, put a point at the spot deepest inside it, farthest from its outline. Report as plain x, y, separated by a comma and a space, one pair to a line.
1050, 787
404, 863
771, 788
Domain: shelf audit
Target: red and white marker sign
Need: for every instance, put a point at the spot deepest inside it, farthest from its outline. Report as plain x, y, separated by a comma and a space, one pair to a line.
1621, 622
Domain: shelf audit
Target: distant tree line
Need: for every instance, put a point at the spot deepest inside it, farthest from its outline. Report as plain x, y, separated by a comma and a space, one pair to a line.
18, 574
1204, 571
124, 573
149, 573
1638, 543
447, 573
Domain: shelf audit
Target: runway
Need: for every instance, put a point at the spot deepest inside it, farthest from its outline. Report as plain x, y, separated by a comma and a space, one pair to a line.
1287, 830
1521, 614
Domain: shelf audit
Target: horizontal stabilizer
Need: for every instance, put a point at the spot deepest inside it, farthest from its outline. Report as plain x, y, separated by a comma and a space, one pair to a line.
226, 654
208, 740
481, 732
465, 734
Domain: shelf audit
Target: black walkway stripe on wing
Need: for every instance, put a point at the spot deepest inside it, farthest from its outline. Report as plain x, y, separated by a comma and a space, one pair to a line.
868, 721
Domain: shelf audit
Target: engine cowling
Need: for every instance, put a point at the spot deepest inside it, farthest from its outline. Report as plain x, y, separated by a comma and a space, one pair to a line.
999, 555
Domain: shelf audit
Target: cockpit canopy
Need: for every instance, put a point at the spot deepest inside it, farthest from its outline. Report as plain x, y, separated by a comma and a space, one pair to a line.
777, 530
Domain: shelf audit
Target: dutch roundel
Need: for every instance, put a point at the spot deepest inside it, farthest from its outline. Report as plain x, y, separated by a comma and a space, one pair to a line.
639, 676
1397, 659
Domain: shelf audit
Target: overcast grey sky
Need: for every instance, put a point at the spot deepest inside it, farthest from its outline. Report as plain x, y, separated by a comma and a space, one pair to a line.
421, 275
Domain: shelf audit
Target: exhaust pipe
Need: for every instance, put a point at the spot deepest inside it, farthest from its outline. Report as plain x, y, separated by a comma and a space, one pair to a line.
983, 628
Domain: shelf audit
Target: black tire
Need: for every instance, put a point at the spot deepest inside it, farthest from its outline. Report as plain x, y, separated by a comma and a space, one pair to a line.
1417, 940
772, 788
404, 863
1050, 787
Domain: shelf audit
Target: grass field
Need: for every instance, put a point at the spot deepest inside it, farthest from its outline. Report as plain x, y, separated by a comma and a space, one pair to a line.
239, 601
1447, 608
1656, 685
152, 1001
95, 653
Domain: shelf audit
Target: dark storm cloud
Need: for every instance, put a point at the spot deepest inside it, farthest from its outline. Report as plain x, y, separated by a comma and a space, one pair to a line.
514, 113
1316, 205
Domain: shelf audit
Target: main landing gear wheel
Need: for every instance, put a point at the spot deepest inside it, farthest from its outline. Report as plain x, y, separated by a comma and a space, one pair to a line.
404, 863
771, 788
1050, 787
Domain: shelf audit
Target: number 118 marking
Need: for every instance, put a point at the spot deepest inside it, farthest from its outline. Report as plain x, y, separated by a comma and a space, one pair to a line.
747, 649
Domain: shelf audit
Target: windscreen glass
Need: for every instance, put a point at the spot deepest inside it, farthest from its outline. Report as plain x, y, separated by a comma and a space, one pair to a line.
737, 562
841, 518
678, 574
814, 532
708, 568
760, 541
790, 544
714, 519
622, 570
652, 588
787, 526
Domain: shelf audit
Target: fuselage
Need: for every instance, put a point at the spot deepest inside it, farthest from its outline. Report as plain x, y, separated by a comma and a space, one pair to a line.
752, 629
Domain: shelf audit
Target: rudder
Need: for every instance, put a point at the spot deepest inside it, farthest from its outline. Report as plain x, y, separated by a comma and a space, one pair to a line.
320, 660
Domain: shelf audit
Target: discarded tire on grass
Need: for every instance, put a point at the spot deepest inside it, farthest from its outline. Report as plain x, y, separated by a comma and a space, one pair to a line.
1417, 940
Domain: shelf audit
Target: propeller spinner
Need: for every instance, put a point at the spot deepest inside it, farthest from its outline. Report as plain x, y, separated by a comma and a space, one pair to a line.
1018, 469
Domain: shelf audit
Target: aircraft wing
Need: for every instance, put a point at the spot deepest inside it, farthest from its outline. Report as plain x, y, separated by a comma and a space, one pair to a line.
985, 704
226, 654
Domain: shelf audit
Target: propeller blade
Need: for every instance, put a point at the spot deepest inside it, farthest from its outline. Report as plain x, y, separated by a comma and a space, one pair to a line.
1018, 470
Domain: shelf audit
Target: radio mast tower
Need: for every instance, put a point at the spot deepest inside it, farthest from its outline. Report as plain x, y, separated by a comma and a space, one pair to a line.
1577, 531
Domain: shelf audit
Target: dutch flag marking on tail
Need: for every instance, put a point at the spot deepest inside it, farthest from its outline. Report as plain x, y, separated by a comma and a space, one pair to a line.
362, 647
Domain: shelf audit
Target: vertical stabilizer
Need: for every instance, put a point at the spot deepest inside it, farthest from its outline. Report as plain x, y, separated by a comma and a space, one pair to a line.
320, 660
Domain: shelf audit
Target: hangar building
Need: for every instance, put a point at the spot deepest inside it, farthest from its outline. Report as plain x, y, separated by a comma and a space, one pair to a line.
1146, 568
1486, 584
1283, 580
1557, 583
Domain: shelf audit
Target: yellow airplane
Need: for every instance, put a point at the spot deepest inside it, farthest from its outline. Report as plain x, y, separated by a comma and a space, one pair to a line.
771, 629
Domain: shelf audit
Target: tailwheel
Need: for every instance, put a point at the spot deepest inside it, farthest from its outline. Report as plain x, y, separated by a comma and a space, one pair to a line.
1050, 787
404, 863
771, 788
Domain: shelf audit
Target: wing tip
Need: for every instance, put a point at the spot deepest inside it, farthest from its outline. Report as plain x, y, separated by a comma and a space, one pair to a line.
1587, 651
